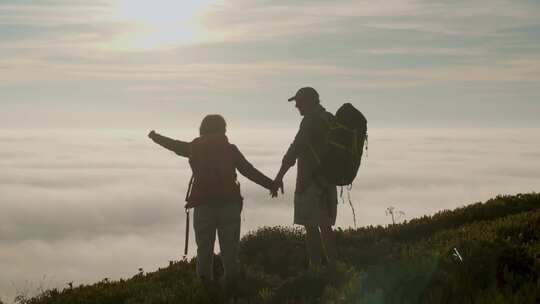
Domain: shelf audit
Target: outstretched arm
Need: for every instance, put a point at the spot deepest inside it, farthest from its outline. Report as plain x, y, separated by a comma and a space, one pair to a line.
177, 146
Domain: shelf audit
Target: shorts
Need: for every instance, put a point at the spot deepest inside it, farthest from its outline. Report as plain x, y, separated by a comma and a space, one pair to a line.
316, 206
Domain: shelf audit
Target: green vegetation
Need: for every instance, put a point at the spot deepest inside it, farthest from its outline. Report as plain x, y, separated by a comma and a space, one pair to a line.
482, 253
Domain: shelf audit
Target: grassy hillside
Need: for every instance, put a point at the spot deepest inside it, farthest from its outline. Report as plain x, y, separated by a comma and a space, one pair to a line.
482, 253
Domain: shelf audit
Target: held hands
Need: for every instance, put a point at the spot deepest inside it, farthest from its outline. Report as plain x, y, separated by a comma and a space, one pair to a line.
277, 185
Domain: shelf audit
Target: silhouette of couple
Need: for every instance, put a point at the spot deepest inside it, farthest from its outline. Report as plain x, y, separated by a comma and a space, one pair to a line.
214, 192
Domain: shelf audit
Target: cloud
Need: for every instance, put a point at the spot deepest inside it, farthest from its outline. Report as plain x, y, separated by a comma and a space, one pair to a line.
249, 19
187, 79
36, 265
326, 25
395, 54
83, 189
51, 13
72, 213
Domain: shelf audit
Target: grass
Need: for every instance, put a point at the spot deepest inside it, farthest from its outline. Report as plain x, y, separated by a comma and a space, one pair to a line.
481, 253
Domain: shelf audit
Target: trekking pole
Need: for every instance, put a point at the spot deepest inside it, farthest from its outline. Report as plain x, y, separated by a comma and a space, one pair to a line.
187, 234
187, 216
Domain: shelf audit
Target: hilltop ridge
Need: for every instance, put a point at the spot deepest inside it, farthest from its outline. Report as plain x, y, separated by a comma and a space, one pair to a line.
480, 253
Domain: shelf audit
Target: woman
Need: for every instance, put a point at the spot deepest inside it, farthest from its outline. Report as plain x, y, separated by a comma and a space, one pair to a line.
214, 192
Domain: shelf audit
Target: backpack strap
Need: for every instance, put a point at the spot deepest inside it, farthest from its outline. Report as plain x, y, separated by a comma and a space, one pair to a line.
329, 126
367, 144
315, 155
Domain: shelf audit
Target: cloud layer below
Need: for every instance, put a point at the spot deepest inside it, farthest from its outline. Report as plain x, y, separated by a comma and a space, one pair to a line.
81, 206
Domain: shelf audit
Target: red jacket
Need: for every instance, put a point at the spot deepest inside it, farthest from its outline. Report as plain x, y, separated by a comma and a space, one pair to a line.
214, 174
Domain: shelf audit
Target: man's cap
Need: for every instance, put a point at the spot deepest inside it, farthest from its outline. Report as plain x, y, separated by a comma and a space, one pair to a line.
306, 92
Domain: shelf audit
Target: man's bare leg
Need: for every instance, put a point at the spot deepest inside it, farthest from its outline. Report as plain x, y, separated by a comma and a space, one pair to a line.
313, 244
328, 237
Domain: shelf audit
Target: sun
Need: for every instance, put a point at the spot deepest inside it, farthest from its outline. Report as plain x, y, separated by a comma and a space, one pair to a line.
159, 24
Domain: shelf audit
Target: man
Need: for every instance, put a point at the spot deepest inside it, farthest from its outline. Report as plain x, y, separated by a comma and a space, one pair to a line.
315, 200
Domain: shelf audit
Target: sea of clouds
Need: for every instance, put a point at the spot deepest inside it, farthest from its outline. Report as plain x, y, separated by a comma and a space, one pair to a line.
80, 206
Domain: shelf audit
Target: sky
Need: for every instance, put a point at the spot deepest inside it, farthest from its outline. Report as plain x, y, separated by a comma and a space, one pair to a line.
450, 90
135, 64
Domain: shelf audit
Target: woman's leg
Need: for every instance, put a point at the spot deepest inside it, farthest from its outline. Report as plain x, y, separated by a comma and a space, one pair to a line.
204, 224
229, 238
